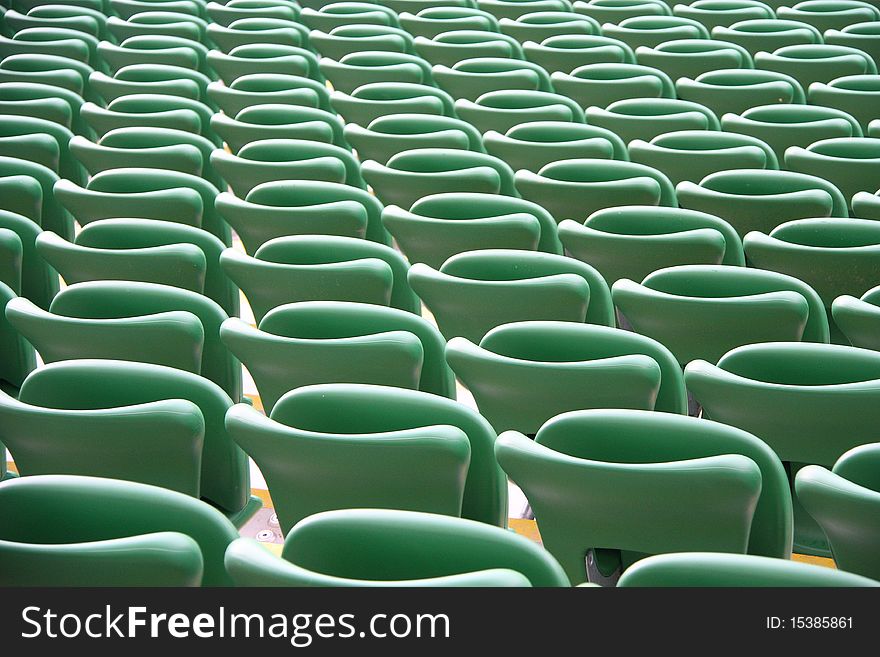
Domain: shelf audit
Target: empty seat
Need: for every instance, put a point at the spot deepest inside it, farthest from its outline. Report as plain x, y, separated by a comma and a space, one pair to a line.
850, 163
475, 291
604, 83
359, 68
566, 52
644, 119
705, 569
694, 154
513, 9
399, 549
538, 25
864, 36
736, 90
431, 21
471, 78
761, 199
524, 373
262, 89
345, 39
809, 402
334, 14
388, 135
857, 95
834, 256
439, 226
614, 11
651, 31
154, 49
830, 14
314, 342
342, 411
816, 63
278, 121
767, 34
20, 176
844, 502
18, 357
263, 58
37, 281
574, 189
633, 241
689, 58
411, 175
712, 13
376, 99
622, 484
501, 110
858, 319
704, 311
320, 268
257, 29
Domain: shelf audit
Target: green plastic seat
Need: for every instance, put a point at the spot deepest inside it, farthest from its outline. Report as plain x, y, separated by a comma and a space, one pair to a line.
783, 126
22, 195
866, 206
536, 144
17, 357
278, 121
386, 136
101, 384
157, 103
430, 21
359, 68
830, 14
714, 570
147, 234
286, 159
623, 484
574, 189
694, 154
816, 63
809, 402
137, 510
264, 58
858, 319
712, 13
16, 130
449, 48
354, 37
59, 41
690, 58
262, 89
539, 25
471, 78
767, 34
158, 23
308, 343
761, 199
43, 101
11, 251
344, 409
20, 176
614, 11
704, 311
102, 120
651, 31
53, 70
228, 13
15, 21
857, 95
180, 265
844, 502
134, 184
370, 101
418, 469
128, 8
633, 241
109, 89
513, 9
155, 559
566, 52
834, 256
258, 29
525, 373
475, 291
411, 175
502, 110
642, 119
604, 83
440, 226
852, 164
172, 51
299, 200
397, 548
39, 148
320, 268
97, 301
736, 90
864, 36
334, 14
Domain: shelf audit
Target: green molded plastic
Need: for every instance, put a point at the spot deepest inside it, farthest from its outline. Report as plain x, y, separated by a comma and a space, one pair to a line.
852, 164
633, 241
278, 121
417, 173
358, 68
17, 357
39, 282
761, 199
830, 14
345, 39
859, 319
734, 91
436, 18
11, 252
651, 31
644, 119
574, 189
370, 101
450, 47
539, 25
857, 95
261, 89
471, 78
601, 84
96, 157
513, 9
476, 291
817, 62
642, 482
713, 570
690, 58
614, 11
335, 14
704, 311
809, 402
767, 34
257, 29
844, 502
395, 548
864, 36
20, 126
19, 175
525, 373
712, 13
567, 52
86, 509
440, 226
